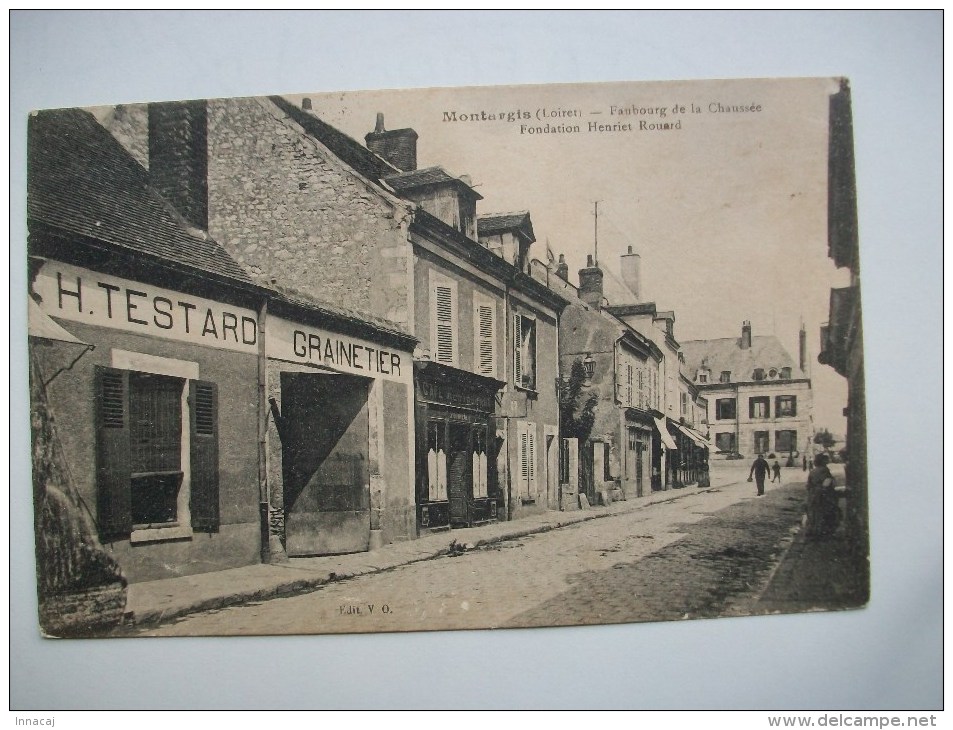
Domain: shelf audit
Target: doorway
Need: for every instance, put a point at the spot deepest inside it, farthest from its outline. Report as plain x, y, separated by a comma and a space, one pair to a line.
325, 451
460, 473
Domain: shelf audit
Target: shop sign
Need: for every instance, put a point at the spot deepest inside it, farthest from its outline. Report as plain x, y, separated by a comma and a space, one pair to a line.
295, 342
82, 295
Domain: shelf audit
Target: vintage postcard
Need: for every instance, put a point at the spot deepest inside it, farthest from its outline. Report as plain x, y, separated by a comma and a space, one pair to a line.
434, 359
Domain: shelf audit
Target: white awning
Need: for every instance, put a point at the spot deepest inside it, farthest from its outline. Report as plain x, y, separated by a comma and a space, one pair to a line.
693, 435
666, 436
40, 324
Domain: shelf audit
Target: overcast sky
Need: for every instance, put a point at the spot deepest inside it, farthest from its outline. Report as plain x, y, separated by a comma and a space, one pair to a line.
728, 212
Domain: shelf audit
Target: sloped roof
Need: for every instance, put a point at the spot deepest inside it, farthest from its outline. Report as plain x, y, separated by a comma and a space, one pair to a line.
81, 180
494, 223
344, 146
725, 353
405, 181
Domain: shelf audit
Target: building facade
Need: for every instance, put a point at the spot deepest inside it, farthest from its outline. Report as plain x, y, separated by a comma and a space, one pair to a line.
759, 399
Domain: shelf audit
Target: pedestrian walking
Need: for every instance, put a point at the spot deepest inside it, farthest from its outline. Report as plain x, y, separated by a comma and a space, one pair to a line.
775, 471
823, 514
759, 470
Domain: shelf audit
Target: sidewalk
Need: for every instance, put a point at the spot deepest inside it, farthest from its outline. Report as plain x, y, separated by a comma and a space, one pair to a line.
153, 602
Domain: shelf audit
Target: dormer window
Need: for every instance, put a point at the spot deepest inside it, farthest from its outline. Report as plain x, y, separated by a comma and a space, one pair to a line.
758, 374
702, 377
786, 373
725, 376
772, 373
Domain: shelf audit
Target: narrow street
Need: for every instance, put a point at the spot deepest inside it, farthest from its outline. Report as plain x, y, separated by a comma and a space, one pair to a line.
695, 555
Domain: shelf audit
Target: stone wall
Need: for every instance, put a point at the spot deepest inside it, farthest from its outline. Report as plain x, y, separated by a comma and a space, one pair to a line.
292, 213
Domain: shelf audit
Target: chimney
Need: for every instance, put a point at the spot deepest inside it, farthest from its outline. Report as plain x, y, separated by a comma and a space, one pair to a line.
398, 147
562, 268
306, 104
632, 273
590, 284
746, 335
178, 157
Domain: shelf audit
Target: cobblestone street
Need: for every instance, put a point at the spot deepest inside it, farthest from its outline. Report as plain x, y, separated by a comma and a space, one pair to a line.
691, 556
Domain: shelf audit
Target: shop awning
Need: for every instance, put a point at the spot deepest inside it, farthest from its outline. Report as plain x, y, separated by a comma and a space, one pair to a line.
693, 435
666, 436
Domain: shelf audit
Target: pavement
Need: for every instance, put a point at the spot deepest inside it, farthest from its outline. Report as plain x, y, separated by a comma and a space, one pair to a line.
805, 572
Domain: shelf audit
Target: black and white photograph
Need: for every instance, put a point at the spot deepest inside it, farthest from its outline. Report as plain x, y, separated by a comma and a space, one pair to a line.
471, 359
463, 358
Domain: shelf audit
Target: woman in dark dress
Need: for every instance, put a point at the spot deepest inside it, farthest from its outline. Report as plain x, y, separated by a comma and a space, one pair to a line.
823, 514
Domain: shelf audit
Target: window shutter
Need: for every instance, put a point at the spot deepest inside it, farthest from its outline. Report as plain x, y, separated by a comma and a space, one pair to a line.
524, 459
531, 455
113, 465
444, 316
486, 341
517, 350
203, 455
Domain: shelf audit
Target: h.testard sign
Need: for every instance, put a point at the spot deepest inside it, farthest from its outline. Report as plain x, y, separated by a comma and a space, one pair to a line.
81, 295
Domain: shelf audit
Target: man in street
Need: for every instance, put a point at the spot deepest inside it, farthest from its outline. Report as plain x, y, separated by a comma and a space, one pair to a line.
759, 470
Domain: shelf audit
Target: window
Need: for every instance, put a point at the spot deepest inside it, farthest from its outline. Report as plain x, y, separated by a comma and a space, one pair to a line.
702, 377
786, 373
725, 442
725, 409
683, 397
629, 378
524, 352
725, 376
761, 442
484, 327
772, 373
437, 461
758, 374
785, 406
785, 441
443, 321
759, 407
157, 455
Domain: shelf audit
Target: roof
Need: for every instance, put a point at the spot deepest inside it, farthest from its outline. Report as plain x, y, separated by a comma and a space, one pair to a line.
766, 352
496, 223
347, 148
342, 315
622, 310
413, 179
82, 181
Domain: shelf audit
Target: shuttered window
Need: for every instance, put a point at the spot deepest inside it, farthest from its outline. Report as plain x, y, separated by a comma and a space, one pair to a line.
143, 472
484, 329
443, 321
524, 352
527, 460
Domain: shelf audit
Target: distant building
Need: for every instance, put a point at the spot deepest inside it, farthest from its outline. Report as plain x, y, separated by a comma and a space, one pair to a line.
759, 399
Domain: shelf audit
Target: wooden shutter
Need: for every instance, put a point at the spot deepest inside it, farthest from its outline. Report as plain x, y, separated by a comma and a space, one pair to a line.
531, 456
517, 350
203, 455
485, 327
444, 346
113, 465
524, 459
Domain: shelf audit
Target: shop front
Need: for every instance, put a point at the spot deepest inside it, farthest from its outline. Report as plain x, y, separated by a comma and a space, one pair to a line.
457, 447
638, 453
339, 467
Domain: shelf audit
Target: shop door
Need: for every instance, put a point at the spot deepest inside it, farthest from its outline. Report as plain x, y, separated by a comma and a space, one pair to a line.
324, 448
633, 461
460, 474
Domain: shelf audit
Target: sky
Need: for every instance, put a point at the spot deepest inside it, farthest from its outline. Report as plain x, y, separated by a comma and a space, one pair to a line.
728, 211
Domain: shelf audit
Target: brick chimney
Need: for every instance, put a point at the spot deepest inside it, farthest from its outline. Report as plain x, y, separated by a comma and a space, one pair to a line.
746, 335
590, 284
802, 349
562, 268
398, 147
178, 157
631, 264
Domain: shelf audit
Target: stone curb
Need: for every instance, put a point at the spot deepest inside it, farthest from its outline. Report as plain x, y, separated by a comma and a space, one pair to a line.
154, 617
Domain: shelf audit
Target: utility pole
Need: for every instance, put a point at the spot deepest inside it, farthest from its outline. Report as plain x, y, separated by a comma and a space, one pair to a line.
596, 235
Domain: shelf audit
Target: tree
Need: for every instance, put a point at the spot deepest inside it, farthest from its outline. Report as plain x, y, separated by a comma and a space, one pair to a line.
824, 438
576, 409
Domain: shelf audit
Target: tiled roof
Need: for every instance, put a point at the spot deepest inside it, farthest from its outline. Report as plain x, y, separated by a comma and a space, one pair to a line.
766, 352
80, 180
345, 147
428, 176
